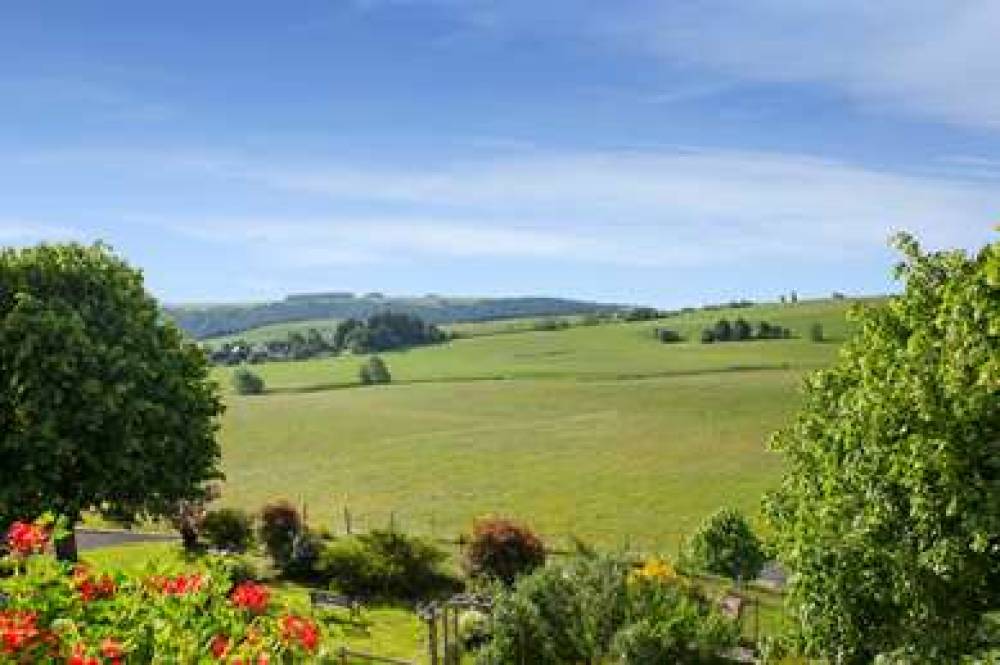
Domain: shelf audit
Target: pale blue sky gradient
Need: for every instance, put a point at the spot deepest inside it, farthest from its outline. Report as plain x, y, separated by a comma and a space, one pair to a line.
669, 153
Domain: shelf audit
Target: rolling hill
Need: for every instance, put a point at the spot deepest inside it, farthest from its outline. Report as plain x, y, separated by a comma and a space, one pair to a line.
600, 431
214, 320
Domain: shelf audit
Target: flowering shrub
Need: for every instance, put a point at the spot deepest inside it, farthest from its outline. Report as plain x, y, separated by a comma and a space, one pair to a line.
654, 570
251, 596
24, 538
502, 549
76, 616
594, 608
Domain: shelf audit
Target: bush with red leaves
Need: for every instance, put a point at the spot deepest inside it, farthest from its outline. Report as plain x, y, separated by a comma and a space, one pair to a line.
503, 549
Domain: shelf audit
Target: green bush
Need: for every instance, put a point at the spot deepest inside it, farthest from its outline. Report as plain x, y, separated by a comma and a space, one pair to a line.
305, 554
503, 550
228, 528
590, 609
816, 332
668, 336
725, 544
280, 525
241, 569
374, 371
384, 564
246, 382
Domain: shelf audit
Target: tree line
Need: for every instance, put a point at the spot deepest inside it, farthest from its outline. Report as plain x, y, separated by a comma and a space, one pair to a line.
741, 330
383, 331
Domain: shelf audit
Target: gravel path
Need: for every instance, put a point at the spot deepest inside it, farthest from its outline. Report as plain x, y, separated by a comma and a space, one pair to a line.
92, 539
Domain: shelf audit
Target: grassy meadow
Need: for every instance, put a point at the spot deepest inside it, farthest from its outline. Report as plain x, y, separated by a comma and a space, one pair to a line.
600, 432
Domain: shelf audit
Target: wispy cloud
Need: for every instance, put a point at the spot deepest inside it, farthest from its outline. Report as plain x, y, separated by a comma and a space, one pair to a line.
936, 60
681, 206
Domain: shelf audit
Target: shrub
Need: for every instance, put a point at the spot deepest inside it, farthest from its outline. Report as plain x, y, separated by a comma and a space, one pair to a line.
591, 609
305, 554
228, 528
280, 525
246, 382
667, 336
241, 569
723, 330
741, 330
726, 545
374, 371
707, 336
816, 332
385, 564
502, 549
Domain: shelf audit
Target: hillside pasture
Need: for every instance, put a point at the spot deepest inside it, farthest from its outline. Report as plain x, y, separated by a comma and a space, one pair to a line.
600, 432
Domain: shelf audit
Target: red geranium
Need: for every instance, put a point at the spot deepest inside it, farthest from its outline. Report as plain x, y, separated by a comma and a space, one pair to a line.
80, 657
24, 539
179, 585
219, 646
92, 588
301, 630
251, 596
18, 630
113, 650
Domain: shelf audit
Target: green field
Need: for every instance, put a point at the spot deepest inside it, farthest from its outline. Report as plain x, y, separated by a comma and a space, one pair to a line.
600, 432
274, 331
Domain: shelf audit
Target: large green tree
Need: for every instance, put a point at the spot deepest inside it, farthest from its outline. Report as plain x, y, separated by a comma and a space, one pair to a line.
103, 403
889, 513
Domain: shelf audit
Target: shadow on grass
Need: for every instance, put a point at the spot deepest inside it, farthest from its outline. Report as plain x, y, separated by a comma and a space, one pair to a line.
529, 376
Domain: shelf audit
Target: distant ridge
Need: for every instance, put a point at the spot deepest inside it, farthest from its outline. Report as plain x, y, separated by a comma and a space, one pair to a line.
201, 321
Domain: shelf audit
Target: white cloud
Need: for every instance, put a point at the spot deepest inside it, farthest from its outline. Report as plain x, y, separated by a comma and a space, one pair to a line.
664, 207
939, 60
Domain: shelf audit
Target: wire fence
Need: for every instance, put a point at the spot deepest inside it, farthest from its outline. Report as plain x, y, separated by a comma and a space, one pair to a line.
349, 521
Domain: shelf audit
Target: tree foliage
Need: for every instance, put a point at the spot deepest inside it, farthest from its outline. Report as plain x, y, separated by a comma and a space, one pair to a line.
246, 382
103, 404
889, 512
725, 544
374, 371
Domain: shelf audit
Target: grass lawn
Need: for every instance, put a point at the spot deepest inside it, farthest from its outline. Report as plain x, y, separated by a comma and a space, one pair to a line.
600, 432
383, 630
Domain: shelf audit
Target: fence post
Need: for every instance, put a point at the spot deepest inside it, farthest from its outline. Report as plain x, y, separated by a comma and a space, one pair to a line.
444, 627
457, 638
756, 620
432, 636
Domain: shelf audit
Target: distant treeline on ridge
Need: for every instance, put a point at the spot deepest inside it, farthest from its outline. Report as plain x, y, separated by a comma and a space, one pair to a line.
204, 321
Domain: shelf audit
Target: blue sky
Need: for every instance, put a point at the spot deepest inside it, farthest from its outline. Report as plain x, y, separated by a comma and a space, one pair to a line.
668, 153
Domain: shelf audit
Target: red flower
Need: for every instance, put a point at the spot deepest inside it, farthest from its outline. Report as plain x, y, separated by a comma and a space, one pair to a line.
251, 596
220, 646
301, 630
80, 657
17, 631
112, 648
91, 588
179, 585
24, 539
